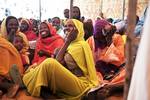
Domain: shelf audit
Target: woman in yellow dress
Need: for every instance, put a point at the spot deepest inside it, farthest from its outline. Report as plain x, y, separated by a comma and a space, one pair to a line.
71, 74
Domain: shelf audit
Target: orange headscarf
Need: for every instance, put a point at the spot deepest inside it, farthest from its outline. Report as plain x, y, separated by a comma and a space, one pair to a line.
113, 54
8, 56
48, 44
24, 51
117, 49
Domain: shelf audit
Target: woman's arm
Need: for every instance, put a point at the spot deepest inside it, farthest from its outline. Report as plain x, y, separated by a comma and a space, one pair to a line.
70, 37
61, 53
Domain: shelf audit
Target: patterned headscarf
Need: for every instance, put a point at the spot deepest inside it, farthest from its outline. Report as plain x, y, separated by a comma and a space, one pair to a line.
99, 25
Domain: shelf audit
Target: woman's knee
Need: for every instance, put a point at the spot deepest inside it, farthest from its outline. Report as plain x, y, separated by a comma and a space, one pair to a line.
49, 62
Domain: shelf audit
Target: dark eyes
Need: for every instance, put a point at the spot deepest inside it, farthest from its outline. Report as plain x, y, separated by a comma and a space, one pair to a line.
43, 27
70, 25
11, 24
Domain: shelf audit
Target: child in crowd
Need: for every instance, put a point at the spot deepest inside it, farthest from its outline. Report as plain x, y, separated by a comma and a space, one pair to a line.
18, 43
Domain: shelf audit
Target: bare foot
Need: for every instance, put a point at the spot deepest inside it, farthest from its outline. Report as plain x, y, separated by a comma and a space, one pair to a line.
12, 91
1, 93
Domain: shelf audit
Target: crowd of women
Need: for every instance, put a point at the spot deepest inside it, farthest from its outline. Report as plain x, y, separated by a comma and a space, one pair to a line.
68, 58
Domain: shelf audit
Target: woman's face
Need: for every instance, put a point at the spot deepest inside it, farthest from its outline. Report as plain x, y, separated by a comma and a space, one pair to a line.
12, 26
24, 26
44, 30
70, 28
75, 13
66, 13
101, 35
56, 23
18, 43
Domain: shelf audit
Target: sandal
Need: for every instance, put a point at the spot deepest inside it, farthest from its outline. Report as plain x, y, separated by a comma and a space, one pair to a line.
109, 76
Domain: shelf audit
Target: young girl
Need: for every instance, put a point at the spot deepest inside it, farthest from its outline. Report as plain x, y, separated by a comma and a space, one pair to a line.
18, 43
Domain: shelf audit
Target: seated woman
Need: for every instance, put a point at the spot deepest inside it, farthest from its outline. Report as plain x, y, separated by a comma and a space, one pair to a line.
108, 49
8, 56
10, 28
108, 52
26, 28
46, 44
71, 74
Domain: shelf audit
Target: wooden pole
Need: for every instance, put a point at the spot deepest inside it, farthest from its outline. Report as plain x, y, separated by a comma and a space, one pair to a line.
40, 13
130, 44
123, 8
101, 5
71, 5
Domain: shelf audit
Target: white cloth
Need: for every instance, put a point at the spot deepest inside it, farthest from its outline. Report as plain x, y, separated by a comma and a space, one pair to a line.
120, 25
140, 82
32, 44
61, 33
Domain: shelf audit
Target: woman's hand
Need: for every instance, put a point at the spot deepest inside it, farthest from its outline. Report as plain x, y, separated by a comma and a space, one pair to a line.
11, 35
42, 53
111, 31
72, 35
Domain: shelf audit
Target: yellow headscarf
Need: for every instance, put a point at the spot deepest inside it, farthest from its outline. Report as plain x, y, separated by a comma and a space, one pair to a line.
81, 53
3, 32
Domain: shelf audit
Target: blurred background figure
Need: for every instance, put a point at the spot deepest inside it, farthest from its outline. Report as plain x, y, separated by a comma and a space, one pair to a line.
57, 24
66, 13
76, 14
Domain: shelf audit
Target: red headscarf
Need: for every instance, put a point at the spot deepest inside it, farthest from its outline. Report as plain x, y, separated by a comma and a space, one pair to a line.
30, 34
48, 44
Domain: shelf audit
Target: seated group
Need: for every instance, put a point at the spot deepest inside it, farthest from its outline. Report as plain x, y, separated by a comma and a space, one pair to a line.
66, 67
